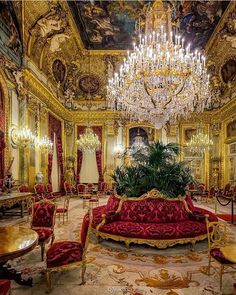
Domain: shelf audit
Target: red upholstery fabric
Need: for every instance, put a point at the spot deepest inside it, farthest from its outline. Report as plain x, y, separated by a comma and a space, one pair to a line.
43, 233
189, 202
63, 253
23, 188
5, 286
84, 230
156, 231
212, 216
219, 256
68, 187
97, 215
43, 215
112, 204
153, 211
61, 210
39, 188
81, 188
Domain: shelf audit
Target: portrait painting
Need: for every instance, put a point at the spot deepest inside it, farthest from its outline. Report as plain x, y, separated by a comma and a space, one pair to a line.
59, 70
228, 71
231, 129
188, 133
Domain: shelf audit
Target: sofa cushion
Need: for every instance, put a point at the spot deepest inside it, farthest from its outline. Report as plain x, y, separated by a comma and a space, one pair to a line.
153, 211
112, 205
212, 216
63, 253
44, 234
189, 202
152, 231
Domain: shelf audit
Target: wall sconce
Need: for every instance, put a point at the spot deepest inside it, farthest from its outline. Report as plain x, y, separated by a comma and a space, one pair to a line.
44, 144
119, 151
22, 137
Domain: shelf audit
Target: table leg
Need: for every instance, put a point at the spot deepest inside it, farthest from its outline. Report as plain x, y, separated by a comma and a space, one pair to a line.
9, 273
22, 209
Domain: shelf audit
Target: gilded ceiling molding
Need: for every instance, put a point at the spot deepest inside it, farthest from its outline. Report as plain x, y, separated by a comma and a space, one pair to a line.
36, 87
214, 37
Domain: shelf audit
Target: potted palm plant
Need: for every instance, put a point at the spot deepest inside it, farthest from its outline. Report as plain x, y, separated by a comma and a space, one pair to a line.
157, 168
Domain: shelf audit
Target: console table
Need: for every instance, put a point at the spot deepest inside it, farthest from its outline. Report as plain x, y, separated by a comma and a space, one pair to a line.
8, 200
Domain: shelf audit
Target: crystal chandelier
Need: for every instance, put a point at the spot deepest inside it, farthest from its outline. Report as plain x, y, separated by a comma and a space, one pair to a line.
45, 144
88, 141
25, 137
199, 143
161, 79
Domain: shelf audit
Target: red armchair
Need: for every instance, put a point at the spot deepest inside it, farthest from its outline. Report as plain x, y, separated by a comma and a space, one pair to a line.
69, 188
81, 189
5, 287
23, 188
43, 221
67, 254
40, 191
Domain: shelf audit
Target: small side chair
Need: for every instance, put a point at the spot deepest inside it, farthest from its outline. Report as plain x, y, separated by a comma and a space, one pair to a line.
217, 238
43, 221
64, 210
68, 254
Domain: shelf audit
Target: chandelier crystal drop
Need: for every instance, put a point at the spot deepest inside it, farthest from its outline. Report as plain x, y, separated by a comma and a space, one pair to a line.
25, 137
45, 144
199, 143
88, 141
161, 79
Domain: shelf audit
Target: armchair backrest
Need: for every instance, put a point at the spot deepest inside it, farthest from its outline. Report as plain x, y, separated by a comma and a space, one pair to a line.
85, 230
49, 188
227, 187
212, 191
39, 188
216, 233
68, 187
202, 187
102, 186
23, 188
43, 214
81, 188
90, 187
191, 186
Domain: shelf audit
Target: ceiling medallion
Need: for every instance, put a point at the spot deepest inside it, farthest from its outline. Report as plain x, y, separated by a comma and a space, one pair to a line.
89, 84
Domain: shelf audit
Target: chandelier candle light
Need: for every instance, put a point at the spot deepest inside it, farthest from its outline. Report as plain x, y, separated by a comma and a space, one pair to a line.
25, 137
88, 141
199, 143
161, 79
45, 144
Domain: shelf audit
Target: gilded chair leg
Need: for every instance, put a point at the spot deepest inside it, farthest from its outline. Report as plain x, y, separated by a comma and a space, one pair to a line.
59, 217
63, 218
42, 251
192, 246
67, 216
83, 273
221, 275
52, 240
209, 265
48, 278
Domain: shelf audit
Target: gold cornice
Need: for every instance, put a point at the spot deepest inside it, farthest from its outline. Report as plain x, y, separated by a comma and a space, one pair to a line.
211, 41
40, 90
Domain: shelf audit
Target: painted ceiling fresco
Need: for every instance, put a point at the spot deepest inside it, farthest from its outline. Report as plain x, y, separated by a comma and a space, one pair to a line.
111, 24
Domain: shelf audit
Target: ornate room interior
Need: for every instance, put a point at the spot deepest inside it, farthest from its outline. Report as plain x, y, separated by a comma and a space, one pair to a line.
93, 95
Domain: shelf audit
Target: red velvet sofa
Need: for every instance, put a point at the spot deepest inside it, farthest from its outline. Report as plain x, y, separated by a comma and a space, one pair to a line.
151, 219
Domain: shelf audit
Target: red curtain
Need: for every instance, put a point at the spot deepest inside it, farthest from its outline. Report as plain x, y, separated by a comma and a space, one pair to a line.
54, 126
2, 142
80, 130
60, 161
98, 131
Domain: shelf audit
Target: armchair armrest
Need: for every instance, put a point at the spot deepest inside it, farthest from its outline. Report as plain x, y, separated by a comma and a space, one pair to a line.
197, 216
